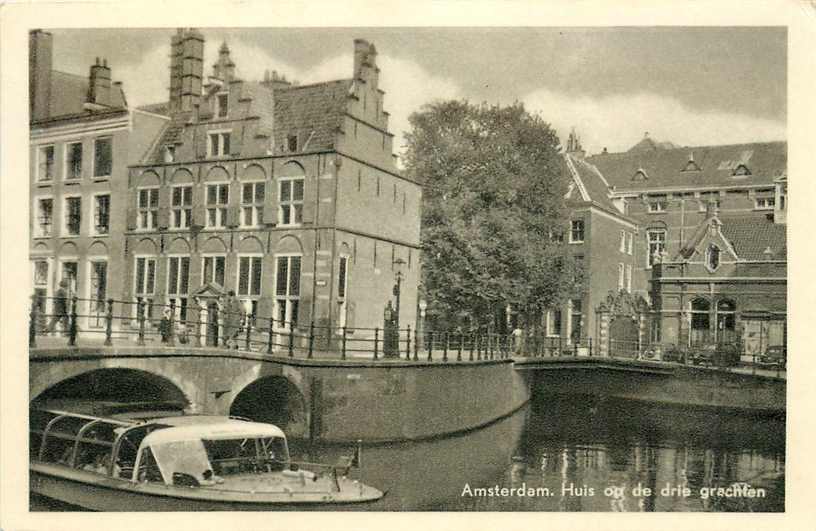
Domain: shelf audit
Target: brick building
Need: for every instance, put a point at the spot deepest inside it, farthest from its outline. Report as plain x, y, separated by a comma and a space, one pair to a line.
82, 138
673, 197
287, 194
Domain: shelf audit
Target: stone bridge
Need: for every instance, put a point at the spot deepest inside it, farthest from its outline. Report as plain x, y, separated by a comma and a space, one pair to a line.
384, 400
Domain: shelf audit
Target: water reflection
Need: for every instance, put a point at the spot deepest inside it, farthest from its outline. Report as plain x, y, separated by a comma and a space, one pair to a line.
580, 454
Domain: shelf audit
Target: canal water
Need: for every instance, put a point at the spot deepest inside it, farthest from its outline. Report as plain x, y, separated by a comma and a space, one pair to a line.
577, 453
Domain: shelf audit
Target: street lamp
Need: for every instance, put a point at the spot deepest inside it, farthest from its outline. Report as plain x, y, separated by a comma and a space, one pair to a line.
421, 325
398, 266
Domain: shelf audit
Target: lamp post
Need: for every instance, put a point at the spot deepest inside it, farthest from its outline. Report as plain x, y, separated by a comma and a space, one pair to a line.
421, 325
398, 266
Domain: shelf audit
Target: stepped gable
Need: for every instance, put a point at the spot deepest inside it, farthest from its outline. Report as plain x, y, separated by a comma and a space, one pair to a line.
718, 166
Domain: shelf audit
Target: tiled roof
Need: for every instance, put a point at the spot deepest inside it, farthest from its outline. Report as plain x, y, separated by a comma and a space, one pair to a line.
69, 93
591, 182
313, 111
162, 108
750, 236
765, 161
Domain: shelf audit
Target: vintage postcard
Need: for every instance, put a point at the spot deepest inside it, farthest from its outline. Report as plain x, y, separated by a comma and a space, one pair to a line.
404, 265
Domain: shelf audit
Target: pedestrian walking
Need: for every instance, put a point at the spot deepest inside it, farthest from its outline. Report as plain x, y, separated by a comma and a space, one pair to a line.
518, 340
60, 308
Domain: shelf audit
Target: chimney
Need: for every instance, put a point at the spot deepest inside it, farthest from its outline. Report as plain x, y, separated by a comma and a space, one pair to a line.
191, 46
175, 71
40, 51
361, 48
574, 145
99, 83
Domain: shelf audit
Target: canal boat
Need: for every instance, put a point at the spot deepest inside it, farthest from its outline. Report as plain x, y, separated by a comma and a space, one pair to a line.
181, 463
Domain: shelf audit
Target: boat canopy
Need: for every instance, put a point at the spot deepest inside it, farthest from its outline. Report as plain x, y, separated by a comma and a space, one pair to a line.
209, 429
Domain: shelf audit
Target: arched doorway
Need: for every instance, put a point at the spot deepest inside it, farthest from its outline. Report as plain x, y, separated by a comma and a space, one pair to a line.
700, 329
275, 400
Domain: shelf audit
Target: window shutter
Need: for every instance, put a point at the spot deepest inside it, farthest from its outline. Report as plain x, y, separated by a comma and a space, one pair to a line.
233, 216
309, 200
199, 216
270, 207
131, 218
350, 312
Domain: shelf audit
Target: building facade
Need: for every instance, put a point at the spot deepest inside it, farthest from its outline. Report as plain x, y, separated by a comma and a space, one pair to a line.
82, 138
287, 194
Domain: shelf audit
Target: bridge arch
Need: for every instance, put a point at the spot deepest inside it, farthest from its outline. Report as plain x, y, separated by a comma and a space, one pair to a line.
274, 399
114, 384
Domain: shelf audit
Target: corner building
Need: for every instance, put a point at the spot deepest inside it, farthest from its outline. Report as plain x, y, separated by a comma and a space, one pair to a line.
288, 194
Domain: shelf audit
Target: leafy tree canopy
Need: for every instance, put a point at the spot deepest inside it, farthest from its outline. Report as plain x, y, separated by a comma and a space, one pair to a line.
493, 195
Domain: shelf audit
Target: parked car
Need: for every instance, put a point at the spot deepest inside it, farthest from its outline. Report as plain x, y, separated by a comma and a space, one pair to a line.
775, 356
716, 354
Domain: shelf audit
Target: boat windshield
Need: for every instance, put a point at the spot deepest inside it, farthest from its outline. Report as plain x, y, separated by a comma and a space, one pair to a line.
186, 457
236, 456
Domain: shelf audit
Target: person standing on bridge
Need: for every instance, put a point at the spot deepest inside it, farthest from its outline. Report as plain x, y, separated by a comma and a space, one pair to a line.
60, 309
518, 340
232, 319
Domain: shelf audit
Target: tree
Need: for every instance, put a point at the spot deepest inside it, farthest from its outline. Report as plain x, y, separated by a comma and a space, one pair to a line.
493, 197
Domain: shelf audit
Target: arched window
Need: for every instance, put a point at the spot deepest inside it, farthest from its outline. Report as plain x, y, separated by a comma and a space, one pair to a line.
712, 257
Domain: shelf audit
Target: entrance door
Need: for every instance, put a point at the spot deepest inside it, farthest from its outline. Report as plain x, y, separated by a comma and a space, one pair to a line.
623, 337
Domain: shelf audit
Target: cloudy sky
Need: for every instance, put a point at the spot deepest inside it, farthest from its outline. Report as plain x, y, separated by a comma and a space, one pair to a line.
692, 86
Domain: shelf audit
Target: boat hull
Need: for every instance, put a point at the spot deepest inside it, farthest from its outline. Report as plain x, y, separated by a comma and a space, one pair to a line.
98, 493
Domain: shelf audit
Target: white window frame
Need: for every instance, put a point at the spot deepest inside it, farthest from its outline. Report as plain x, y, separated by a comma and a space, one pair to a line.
649, 242
292, 203
39, 155
65, 162
288, 298
96, 315
152, 212
184, 211
657, 206
221, 209
622, 246
572, 230
630, 243
220, 152
37, 210
93, 159
64, 225
147, 297
256, 207
213, 256
177, 296
764, 203
92, 227
218, 107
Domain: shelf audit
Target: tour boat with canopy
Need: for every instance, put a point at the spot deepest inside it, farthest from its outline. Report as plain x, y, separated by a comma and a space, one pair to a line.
181, 463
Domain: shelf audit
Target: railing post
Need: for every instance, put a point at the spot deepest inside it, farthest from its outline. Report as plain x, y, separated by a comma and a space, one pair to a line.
376, 340
416, 344
478, 347
197, 324
291, 339
575, 349
72, 326
141, 318
459, 352
408, 344
445, 347
343, 351
32, 323
270, 334
109, 324
472, 341
430, 350
311, 339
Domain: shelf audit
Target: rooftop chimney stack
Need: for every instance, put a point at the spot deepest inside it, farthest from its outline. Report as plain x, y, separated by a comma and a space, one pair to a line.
175, 71
40, 52
186, 69
99, 83
574, 145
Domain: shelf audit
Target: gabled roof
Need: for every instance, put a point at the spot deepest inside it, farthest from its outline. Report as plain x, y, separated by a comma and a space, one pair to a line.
717, 164
69, 93
749, 236
316, 111
590, 186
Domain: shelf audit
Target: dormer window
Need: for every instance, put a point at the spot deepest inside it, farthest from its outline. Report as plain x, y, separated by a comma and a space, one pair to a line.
292, 143
222, 104
218, 144
657, 205
640, 175
169, 153
691, 165
741, 171
712, 257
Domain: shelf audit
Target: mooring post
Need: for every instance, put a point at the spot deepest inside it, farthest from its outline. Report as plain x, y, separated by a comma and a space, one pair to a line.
407, 345
270, 334
311, 339
109, 323
416, 344
291, 339
343, 351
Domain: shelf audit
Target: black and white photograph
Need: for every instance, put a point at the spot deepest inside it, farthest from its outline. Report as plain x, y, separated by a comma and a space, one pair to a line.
402, 268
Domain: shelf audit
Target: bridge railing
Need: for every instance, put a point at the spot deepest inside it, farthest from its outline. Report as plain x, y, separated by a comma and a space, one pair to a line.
74, 321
